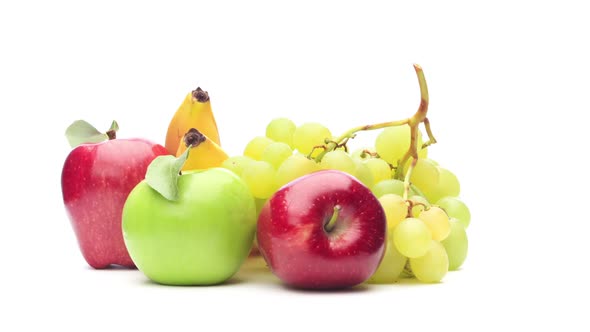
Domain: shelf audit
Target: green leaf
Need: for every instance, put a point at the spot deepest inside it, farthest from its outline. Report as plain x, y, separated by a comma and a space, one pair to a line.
163, 173
80, 132
114, 126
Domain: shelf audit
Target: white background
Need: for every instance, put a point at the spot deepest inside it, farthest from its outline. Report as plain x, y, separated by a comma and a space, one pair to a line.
508, 84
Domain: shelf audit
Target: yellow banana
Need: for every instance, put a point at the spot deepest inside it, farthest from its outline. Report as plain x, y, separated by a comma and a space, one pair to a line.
194, 112
204, 152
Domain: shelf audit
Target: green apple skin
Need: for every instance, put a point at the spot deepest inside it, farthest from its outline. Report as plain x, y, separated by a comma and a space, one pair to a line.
201, 239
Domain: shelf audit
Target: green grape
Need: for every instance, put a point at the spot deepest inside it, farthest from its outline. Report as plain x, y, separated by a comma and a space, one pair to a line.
281, 130
412, 237
437, 221
425, 175
236, 164
418, 208
455, 208
293, 167
414, 191
448, 185
338, 160
380, 169
391, 265
391, 186
393, 143
260, 204
456, 245
256, 146
363, 173
260, 177
422, 153
275, 153
309, 135
395, 209
433, 265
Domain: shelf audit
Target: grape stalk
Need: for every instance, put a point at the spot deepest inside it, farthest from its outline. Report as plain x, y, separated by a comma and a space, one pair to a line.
413, 122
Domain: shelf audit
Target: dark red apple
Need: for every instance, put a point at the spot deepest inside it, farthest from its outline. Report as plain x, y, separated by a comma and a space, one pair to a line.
96, 180
324, 230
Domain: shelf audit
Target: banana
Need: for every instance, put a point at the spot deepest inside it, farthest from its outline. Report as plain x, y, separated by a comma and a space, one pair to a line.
204, 152
194, 112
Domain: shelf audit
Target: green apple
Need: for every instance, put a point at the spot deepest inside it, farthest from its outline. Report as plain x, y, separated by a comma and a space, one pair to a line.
200, 235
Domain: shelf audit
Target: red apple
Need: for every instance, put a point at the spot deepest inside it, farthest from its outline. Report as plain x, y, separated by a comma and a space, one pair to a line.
96, 180
323, 230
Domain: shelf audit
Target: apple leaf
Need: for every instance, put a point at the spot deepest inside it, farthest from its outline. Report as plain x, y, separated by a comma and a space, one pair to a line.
163, 173
114, 126
80, 132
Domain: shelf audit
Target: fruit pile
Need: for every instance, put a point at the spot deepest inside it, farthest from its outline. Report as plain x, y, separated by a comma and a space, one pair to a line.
425, 231
320, 216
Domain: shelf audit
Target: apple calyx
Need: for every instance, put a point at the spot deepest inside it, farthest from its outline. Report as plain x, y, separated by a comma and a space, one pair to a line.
200, 95
81, 132
329, 226
163, 172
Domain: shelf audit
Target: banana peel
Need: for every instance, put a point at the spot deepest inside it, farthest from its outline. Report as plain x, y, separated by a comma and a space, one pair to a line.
194, 112
205, 153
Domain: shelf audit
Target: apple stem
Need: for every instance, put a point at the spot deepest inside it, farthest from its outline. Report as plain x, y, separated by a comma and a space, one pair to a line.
163, 173
112, 132
80, 132
330, 225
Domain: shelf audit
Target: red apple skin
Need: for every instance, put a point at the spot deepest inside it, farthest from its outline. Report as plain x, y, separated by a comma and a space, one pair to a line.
293, 241
96, 180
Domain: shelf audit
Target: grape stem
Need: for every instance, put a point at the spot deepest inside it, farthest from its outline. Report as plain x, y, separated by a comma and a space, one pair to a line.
413, 121
367, 152
350, 133
407, 178
411, 205
416, 190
